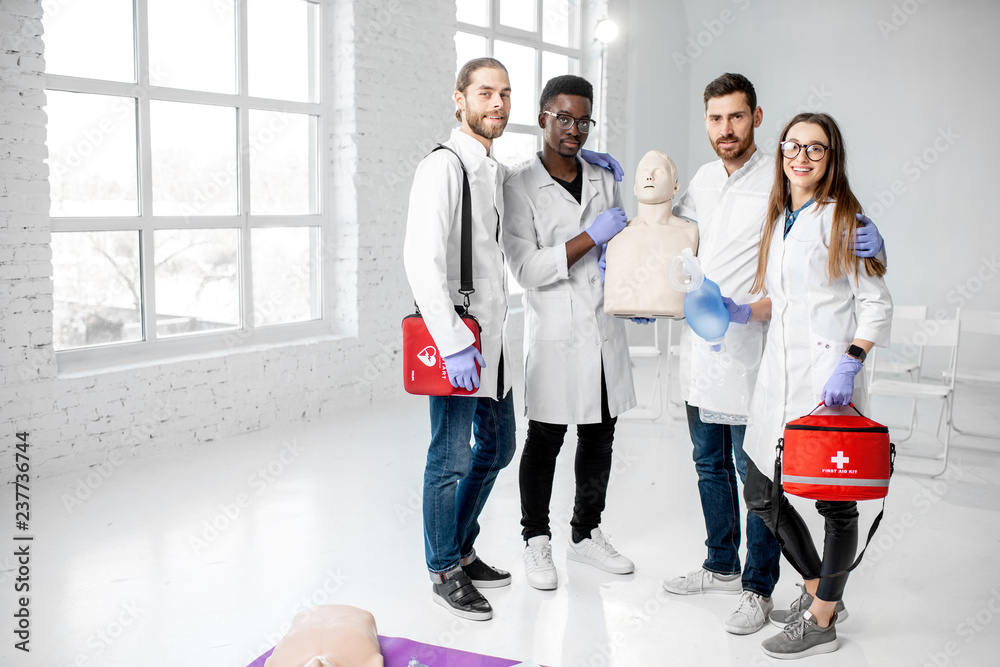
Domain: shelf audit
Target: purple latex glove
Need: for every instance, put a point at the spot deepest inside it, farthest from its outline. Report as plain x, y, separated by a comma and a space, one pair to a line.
738, 314
643, 320
602, 263
606, 225
461, 368
867, 241
839, 389
605, 161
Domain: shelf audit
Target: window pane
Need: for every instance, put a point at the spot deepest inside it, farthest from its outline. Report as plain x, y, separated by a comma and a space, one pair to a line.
282, 163
282, 49
192, 44
96, 288
554, 64
514, 147
194, 159
468, 47
520, 63
518, 14
286, 275
92, 39
476, 12
197, 286
92, 155
560, 22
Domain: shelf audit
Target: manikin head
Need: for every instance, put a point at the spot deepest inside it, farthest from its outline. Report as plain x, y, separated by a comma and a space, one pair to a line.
565, 99
655, 179
482, 98
731, 114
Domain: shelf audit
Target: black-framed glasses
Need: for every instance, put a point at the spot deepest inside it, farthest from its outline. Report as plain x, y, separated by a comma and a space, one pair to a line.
564, 121
791, 149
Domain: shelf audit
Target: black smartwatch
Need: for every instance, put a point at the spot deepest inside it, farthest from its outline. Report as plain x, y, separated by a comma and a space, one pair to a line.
857, 352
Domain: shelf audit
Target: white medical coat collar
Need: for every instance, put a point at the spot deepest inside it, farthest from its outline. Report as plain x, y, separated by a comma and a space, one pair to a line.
469, 149
543, 179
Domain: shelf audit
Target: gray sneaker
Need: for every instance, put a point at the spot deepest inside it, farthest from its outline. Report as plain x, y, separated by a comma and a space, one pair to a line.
782, 617
802, 638
750, 615
703, 581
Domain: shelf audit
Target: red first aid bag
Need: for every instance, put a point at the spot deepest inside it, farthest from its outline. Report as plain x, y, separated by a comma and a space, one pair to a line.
424, 373
836, 457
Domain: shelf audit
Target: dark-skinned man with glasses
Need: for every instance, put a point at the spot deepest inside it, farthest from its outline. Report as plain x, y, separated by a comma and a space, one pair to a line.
559, 211
727, 199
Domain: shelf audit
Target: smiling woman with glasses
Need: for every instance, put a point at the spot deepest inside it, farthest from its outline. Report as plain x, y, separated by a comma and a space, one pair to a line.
827, 308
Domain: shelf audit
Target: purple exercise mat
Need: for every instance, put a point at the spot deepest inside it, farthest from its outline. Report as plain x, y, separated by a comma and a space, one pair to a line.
397, 652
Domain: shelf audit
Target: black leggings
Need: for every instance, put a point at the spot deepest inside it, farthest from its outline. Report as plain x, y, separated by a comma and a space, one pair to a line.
593, 469
839, 545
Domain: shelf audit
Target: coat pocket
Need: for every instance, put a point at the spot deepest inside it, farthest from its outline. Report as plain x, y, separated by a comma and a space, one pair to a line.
551, 316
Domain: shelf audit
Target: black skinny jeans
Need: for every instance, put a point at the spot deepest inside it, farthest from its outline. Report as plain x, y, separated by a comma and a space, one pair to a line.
593, 468
839, 545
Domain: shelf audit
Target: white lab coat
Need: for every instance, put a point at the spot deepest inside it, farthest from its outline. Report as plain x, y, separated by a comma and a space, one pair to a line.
813, 323
432, 253
729, 211
566, 332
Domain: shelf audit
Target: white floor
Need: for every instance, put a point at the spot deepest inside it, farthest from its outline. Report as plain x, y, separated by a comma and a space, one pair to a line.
201, 557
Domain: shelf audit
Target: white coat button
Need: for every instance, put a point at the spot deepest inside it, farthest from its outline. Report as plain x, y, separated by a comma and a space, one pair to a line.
593, 281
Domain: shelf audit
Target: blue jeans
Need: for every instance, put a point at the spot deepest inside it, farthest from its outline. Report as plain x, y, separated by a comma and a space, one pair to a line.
715, 448
458, 476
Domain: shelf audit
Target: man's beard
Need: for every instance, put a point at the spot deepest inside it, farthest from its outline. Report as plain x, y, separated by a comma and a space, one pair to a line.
738, 151
487, 131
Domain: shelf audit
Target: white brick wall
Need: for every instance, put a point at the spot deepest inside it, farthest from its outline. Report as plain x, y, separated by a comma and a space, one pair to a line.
393, 70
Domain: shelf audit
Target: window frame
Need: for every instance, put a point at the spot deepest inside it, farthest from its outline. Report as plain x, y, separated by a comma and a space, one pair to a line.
246, 334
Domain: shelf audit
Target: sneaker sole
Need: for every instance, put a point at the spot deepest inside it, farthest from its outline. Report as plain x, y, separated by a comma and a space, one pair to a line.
470, 615
704, 591
841, 617
572, 555
490, 583
735, 630
543, 586
819, 649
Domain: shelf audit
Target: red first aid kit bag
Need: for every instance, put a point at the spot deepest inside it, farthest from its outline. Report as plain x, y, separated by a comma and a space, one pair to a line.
423, 366
424, 372
833, 458
836, 457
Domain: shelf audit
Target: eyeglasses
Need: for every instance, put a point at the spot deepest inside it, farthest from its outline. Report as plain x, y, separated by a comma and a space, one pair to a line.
814, 152
565, 121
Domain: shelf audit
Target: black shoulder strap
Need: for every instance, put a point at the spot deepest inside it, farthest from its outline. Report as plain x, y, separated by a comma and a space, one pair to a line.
466, 287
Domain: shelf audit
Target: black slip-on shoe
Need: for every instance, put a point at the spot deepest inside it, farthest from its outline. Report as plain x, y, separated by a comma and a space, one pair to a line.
486, 576
460, 596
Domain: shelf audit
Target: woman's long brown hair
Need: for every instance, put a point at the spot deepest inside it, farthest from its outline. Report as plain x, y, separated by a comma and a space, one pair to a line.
832, 188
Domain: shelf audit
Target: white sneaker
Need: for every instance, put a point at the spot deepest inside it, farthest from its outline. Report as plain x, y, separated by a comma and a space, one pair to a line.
702, 581
596, 550
538, 566
750, 615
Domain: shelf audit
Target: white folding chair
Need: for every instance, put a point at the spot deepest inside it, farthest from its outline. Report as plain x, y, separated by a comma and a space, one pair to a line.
900, 360
654, 408
977, 322
925, 333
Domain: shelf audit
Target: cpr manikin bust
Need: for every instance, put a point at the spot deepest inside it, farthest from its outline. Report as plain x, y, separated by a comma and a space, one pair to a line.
636, 280
330, 635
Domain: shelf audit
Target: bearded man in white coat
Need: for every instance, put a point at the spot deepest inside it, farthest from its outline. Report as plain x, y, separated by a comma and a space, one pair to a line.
559, 210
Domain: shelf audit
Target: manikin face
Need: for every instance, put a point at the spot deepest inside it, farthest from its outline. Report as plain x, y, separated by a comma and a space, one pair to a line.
485, 104
655, 179
730, 123
802, 173
566, 143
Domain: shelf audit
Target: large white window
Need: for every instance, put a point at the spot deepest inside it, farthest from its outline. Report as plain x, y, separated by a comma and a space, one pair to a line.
184, 139
535, 40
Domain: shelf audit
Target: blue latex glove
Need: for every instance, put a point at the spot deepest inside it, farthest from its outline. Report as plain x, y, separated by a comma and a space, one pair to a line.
643, 320
602, 263
738, 313
839, 389
461, 368
867, 241
607, 224
605, 161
